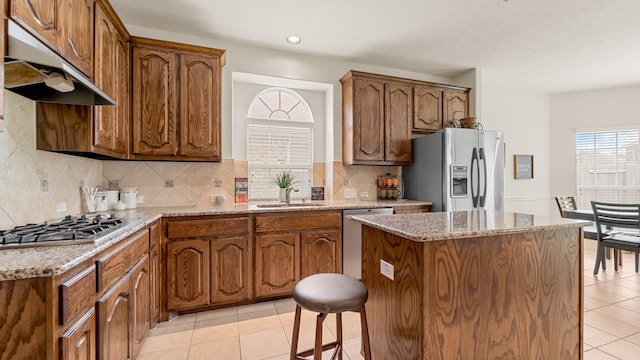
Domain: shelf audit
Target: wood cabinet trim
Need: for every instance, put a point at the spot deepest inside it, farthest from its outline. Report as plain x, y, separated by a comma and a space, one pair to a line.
207, 227
361, 74
117, 262
157, 44
287, 222
77, 293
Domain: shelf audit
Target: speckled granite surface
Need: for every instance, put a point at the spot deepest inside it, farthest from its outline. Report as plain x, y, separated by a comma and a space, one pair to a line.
53, 260
442, 226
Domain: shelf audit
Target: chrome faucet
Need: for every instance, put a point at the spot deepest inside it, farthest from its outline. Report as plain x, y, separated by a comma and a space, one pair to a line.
287, 198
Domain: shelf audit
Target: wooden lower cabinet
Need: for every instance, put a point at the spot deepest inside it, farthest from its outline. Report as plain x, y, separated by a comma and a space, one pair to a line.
277, 263
140, 309
154, 275
411, 209
187, 274
79, 342
114, 341
230, 270
320, 252
290, 246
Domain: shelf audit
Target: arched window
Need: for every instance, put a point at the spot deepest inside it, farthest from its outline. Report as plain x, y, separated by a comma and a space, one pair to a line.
279, 138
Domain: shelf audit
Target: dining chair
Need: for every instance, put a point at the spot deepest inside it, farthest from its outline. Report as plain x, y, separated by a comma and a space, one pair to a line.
566, 203
569, 203
618, 227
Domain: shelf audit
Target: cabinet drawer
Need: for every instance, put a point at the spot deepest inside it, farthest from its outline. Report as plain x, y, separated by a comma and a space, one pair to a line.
207, 227
77, 294
115, 264
291, 222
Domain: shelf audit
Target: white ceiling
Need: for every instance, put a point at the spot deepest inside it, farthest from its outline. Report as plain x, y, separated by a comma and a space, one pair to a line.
545, 45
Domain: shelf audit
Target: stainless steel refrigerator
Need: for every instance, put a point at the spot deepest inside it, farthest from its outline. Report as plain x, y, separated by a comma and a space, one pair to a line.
457, 170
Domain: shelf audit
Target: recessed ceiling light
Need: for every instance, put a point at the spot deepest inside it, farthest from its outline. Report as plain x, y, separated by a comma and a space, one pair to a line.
294, 39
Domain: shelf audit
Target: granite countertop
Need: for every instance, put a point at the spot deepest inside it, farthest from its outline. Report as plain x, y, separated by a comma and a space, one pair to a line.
442, 225
33, 262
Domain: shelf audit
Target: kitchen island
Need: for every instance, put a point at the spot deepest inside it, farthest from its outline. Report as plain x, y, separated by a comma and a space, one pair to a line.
473, 285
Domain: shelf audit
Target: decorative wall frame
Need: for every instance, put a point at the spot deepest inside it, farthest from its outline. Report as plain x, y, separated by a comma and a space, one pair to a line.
523, 166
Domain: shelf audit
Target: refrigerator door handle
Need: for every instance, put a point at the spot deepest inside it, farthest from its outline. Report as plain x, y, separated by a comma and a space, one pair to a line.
483, 196
476, 167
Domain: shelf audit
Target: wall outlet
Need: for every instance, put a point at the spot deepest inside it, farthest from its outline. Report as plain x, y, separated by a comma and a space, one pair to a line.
364, 194
350, 193
61, 207
217, 183
386, 269
139, 199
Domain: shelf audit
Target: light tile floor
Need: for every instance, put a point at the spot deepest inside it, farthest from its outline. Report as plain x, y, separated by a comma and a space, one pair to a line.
263, 331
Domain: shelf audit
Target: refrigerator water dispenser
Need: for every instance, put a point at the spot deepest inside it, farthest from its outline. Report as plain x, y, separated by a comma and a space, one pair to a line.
459, 177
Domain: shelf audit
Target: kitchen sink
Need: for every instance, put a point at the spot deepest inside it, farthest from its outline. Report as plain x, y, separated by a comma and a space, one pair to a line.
284, 205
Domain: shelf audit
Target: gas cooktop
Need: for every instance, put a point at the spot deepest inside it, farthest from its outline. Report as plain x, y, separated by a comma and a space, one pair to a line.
70, 230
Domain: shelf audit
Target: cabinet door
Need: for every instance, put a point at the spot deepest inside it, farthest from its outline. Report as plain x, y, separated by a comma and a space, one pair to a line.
106, 79
79, 342
114, 341
427, 108
154, 97
122, 95
154, 276
77, 40
277, 263
456, 104
230, 267
187, 274
200, 106
368, 120
398, 123
41, 16
320, 252
140, 279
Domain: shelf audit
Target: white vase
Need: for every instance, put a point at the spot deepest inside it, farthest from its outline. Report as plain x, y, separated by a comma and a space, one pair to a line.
282, 194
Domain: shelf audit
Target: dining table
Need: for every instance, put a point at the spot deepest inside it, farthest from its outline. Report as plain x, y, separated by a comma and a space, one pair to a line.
589, 232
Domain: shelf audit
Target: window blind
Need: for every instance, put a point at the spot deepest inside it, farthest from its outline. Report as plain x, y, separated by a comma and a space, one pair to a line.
608, 166
275, 148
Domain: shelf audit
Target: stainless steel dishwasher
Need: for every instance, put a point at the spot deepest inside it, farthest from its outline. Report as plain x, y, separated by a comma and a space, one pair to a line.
352, 240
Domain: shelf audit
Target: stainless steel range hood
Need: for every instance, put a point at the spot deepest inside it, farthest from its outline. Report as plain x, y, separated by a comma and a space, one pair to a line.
30, 65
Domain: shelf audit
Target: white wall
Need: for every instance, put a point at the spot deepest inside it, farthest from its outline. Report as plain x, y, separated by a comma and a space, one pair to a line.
586, 110
523, 117
256, 60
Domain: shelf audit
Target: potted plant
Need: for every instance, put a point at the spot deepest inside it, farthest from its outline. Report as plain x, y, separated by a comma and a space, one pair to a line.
285, 181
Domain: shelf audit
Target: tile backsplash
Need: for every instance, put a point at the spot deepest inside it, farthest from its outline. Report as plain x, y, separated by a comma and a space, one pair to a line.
34, 182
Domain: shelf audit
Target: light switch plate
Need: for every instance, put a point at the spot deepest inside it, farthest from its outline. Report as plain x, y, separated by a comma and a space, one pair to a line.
350, 193
61, 207
386, 269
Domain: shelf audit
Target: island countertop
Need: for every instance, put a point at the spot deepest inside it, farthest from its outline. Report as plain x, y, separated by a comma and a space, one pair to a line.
449, 225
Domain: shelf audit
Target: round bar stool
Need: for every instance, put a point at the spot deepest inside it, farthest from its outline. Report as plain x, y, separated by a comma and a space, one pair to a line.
326, 294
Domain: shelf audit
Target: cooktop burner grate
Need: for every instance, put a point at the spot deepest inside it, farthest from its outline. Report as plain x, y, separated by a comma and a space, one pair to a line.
70, 230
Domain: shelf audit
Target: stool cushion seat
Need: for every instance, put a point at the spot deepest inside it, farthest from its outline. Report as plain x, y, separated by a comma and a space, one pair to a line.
330, 293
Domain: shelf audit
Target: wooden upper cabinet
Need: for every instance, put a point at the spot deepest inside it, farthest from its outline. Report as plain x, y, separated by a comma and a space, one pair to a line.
111, 123
456, 104
379, 114
41, 16
77, 33
427, 108
368, 120
176, 101
64, 25
377, 117
200, 106
398, 123
154, 94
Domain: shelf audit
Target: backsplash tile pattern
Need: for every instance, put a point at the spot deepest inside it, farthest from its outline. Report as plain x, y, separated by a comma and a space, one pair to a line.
22, 168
